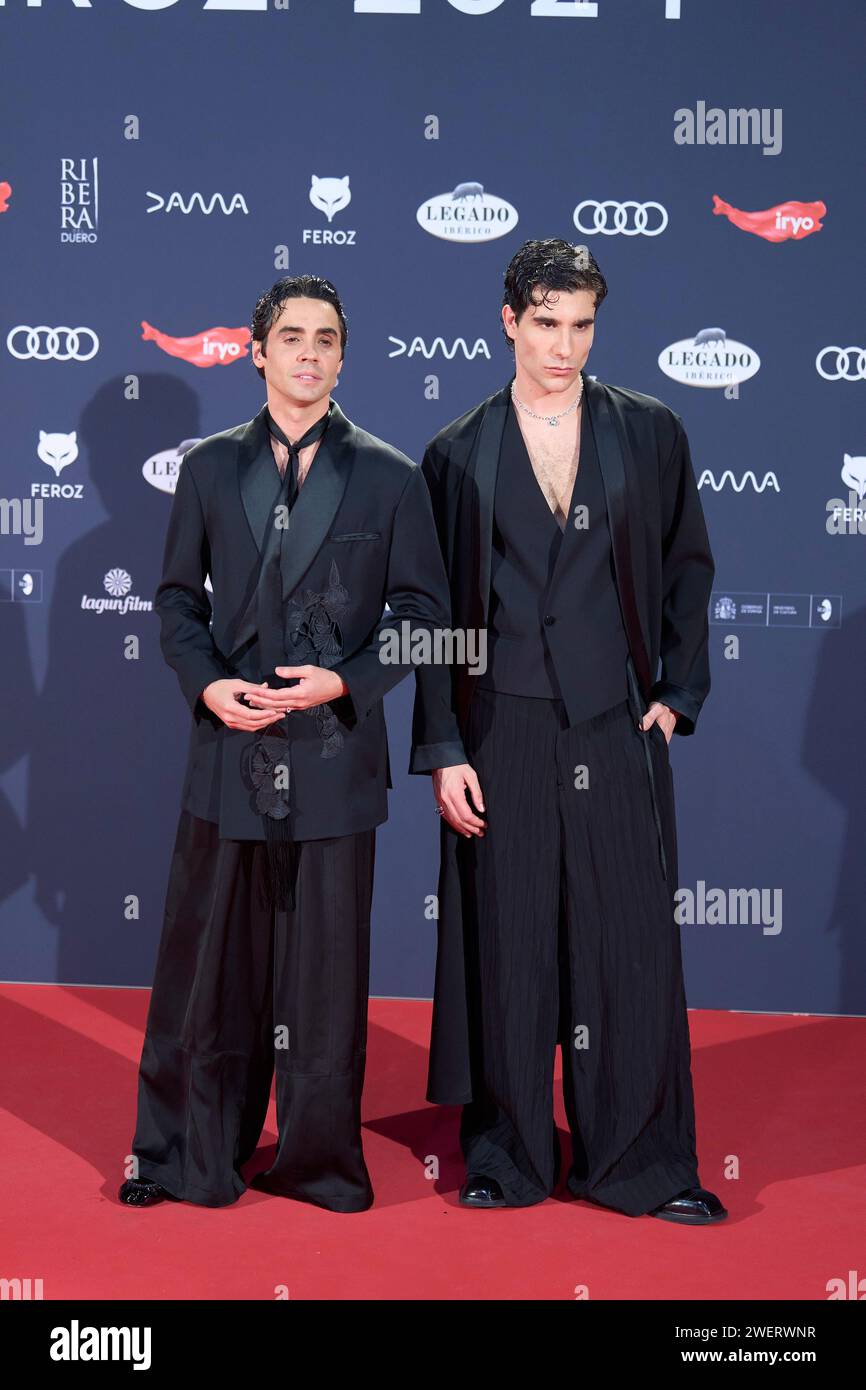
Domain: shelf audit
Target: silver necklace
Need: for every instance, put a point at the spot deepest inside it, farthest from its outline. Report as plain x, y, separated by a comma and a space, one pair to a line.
552, 420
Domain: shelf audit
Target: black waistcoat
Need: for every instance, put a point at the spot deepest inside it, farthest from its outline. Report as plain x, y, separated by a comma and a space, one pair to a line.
553, 598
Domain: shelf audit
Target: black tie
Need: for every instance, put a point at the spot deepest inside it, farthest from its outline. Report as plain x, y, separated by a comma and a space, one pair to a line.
271, 755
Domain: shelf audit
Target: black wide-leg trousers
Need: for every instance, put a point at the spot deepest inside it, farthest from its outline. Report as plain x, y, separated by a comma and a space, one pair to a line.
243, 993
571, 940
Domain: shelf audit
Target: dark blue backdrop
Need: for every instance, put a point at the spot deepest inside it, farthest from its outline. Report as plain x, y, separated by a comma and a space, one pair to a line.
545, 109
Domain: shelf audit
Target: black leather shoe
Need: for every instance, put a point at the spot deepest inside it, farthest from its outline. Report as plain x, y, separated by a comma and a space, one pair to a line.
142, 1192
693, 1207
481, 1191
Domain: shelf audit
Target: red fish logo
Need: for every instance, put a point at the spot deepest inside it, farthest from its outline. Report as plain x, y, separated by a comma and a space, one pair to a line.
788, 221
215, 347
5, 195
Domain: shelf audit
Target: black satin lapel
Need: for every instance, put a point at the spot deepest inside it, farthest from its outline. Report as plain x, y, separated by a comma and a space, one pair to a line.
320, 495
610, 457
483, 464
258, 477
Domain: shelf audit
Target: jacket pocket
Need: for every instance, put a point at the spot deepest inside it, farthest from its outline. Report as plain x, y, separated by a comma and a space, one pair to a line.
357, 536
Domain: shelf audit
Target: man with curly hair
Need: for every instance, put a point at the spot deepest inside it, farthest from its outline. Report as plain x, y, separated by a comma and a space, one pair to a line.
572, 532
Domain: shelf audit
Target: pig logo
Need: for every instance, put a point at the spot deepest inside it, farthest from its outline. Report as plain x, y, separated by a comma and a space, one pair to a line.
709, 335
467, 190
330, 196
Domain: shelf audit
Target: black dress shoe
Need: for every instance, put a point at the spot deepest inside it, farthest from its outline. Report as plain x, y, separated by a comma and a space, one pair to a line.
142, 1192
481, 1191
692, 1207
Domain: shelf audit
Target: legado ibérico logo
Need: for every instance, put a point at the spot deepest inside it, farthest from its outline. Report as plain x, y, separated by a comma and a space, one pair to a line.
214, 347
161, 470
467, 213
785, 222
710, 358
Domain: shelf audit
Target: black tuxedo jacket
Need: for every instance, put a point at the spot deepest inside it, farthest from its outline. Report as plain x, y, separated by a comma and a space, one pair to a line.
664, 573
361, 537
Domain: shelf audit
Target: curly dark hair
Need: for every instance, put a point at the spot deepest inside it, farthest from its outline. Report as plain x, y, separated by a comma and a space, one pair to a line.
270, 305
549, 265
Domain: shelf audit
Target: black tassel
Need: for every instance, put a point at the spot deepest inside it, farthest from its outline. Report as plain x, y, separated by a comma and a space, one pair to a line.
282, 863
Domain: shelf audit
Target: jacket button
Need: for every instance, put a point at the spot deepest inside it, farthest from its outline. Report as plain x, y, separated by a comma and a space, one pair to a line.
549, 620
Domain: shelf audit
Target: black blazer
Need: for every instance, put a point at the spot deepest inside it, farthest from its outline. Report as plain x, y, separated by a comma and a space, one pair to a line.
361, 536
664, 574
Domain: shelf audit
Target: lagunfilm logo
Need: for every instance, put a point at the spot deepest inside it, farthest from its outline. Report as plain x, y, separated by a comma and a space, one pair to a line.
117, 584
161, 469
467, 213
710, 358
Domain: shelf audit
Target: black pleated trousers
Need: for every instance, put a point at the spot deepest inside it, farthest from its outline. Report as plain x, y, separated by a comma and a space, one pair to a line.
571, 940
243, 993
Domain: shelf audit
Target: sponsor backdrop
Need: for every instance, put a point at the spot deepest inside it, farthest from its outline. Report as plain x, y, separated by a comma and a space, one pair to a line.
164, 164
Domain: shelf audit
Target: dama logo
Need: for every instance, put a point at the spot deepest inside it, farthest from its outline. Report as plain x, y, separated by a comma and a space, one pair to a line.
418, 345
707, 479
175, 202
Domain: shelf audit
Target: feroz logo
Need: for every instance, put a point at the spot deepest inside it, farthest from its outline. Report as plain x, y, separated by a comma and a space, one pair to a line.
161, 470
849, 519
785, 222
330, 196
468, 214
215, 346
709, 359
57, 450
628, 218
854, 473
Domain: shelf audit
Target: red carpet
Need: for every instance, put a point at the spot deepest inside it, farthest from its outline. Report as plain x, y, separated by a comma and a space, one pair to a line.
780, 1097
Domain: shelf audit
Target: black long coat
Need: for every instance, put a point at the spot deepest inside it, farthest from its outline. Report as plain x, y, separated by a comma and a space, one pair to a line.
664, 573
361, 537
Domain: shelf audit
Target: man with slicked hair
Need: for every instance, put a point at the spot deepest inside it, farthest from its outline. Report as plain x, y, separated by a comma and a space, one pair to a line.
572, 532
309, 527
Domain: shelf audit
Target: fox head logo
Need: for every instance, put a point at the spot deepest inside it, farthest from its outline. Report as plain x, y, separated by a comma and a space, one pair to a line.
330, 195
57, 450
854, 473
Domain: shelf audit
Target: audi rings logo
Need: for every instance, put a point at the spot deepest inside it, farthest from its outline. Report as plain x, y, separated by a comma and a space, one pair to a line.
52, 344
842, 364
629, 218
